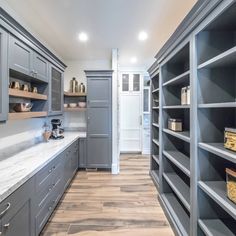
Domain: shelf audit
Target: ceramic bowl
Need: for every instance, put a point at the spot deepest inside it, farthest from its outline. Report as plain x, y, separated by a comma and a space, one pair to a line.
65, 105
82, 104
72, 105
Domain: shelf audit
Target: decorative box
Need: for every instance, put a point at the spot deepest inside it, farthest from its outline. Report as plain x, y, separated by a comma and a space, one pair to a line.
230, 139
188, 95
184, 96
231, 184
175, 125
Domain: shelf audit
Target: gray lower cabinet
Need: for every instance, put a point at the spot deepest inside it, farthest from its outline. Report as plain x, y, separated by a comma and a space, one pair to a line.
3, 75
26, 211
99, 119
15, 211
82, 152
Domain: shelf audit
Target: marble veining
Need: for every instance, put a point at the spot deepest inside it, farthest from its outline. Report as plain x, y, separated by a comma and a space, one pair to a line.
17, 169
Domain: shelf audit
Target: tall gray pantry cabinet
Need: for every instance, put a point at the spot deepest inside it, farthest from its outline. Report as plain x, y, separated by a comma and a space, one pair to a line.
99, 119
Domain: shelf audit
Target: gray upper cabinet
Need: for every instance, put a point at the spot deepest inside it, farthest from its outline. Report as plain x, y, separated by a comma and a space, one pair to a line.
40, 67
3, 75
99, 123
56, 91
20, 56
24, 60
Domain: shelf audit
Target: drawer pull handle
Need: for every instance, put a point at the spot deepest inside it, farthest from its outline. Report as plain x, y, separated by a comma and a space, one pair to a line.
50, 171
50, 189
4, 211
50, 208
6, 226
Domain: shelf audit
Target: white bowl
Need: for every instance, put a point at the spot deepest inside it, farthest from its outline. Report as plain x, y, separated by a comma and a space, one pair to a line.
82, 104
72, 105
65, 105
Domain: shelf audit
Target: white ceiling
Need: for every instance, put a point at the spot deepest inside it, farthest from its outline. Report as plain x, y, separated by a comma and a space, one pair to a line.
109, 24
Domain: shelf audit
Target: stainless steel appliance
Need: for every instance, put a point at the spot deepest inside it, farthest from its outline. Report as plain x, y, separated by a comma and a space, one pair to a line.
57, 132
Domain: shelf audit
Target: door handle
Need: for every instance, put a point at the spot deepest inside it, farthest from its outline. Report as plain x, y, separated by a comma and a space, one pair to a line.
7, 208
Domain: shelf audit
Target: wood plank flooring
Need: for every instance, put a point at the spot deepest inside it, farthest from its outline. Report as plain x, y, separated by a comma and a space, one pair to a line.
101, 204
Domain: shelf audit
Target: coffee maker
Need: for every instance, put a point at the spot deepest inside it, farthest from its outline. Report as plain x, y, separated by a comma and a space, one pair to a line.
57, 132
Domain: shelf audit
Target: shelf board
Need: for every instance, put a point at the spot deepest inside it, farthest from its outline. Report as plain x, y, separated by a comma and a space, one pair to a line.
218, 105
26, 115
155, 176
180, 160
177, 107
156, 158
180, 188
77, 109
155, 125
185, 135
155, 108
155, 90
176, 213
227, 58
69, 94
214, 227
155, 141
24, 94
219, 150
217, 191
178, 80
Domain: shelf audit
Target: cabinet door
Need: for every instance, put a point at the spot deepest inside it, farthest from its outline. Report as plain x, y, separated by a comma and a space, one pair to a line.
99, 132
3, 75
82, 152
20, 57
56, 91
40, 67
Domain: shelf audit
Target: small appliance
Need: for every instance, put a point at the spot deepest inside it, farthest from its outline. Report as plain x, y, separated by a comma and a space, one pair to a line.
57, 132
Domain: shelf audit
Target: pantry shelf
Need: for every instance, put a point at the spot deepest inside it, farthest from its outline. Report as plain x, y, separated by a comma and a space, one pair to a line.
155, 125
77, 109
178, 80
155, 176
155, 90
217, 191
26, 115
177, 107
185, 135
24, 94
215, 227
218, 105
69, 94
156, 159
155, 141
180, 160
179, 188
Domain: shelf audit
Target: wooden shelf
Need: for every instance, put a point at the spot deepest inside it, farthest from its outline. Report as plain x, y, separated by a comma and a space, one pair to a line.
178, 79
69, 94
180, 160
23, 94
180, 188
176, 213
218, 105
177, 107
185, 135
227, 58
215, 227
77, 109
219, 150
217, 191
26, 115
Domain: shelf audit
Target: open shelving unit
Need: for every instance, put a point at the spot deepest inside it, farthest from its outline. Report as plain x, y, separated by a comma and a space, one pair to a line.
39, 99
70, 97
192, 178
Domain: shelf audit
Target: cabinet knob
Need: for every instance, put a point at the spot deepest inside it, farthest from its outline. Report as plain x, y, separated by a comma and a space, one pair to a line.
50, 208
50, 171
6, 226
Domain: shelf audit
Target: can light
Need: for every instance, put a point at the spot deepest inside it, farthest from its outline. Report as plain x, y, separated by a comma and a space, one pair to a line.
143, 36
133, 60
83, 37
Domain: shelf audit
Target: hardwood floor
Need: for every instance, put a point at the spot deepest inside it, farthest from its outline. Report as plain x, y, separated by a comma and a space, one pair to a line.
101, 204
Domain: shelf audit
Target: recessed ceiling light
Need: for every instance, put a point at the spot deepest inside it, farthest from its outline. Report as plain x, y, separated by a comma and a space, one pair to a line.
83, 37
133, 60
143, 36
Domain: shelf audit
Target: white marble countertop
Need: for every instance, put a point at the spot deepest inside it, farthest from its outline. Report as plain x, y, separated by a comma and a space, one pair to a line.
17, 169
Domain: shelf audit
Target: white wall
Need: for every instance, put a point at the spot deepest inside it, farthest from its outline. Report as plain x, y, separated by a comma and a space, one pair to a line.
76, 69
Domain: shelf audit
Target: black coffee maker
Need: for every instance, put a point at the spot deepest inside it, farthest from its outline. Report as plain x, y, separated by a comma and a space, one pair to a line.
57, 132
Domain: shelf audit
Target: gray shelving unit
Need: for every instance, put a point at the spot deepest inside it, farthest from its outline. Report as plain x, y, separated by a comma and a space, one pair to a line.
191, 164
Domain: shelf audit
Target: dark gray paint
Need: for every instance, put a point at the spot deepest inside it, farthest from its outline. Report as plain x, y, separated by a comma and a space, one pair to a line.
40, 67
3, 75
82, 152
99, 119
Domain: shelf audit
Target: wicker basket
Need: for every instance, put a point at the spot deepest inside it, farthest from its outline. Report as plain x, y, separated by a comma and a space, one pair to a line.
231, 184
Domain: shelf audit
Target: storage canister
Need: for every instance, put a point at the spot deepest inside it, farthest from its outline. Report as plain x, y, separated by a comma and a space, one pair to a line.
231, 184
175, 125
230, 139
188, 96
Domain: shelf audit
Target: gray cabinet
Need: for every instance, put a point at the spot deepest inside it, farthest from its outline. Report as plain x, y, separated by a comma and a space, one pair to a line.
20, 56
22, 59
99, 123
16, 212
82, 152
3, 75
55, 91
